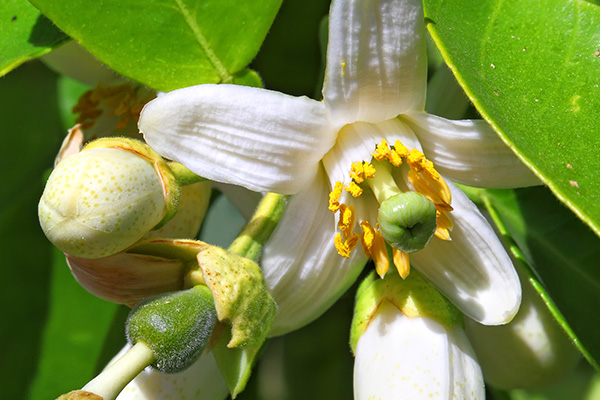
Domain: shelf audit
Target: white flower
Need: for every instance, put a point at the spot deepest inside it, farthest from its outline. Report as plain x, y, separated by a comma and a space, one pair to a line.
414, 358
374, 89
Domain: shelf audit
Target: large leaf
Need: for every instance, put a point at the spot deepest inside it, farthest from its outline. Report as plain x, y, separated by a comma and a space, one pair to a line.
563, 253
532, 69
24, 34
167, 44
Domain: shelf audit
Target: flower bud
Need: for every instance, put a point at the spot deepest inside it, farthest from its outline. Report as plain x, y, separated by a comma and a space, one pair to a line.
408, 339
105, 198
407, 221
190, 213
531, 350
175, 326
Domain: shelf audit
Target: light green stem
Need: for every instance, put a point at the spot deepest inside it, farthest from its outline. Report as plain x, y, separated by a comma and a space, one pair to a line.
258, 230
117, 375
383, 184
183, 175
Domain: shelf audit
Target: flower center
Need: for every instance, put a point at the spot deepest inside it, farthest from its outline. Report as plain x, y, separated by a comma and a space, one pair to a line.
407, 220
123, 101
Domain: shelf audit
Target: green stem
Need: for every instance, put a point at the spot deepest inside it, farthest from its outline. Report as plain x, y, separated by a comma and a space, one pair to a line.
258, 230
117, 375
183, 175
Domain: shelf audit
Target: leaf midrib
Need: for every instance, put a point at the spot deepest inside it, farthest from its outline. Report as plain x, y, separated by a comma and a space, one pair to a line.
205, 47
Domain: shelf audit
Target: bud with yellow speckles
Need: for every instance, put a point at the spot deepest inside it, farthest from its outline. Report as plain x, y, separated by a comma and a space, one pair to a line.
107, 197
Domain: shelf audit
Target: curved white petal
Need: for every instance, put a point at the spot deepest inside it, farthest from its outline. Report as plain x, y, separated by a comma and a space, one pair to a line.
376, 60
530, 351
414, 358
356, 142
301, 266
202, 380
473, 270
259, 139
469, 152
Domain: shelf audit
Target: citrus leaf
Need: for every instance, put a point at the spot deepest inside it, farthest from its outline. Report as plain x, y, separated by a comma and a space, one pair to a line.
25, 34
167, 44
562, 253
532, 69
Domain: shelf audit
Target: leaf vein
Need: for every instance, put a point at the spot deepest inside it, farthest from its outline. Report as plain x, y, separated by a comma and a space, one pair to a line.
204, 45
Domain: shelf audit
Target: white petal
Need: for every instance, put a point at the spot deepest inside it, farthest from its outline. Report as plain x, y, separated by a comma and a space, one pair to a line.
414, 358
531, 351
259, 139
473, 270
356, 142
301, 266
470, 152
202, 380
376, 60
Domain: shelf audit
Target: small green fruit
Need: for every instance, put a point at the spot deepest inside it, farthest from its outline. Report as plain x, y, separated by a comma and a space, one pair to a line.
407, 221
176, 326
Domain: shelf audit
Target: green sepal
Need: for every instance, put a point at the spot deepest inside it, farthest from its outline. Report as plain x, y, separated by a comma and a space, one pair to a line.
413, 296
235, 364
240, 295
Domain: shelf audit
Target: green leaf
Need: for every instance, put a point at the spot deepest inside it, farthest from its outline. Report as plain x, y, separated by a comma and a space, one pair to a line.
562, 252
532, 70
167, 44
24, 34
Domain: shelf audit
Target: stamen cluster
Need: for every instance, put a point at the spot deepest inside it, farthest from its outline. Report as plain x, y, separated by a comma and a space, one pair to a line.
424, 179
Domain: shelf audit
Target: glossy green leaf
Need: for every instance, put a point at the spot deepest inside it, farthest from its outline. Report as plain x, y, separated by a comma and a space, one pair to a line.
532, 69
562, 252
24, 34
167, 44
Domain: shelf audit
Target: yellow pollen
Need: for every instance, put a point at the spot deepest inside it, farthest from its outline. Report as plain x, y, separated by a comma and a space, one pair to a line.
347, 220
354, 189
394, 158
368, 170
345, 247
402, 263
334, 197
356, 172
401, 149
374, 247
444, 225
381, 151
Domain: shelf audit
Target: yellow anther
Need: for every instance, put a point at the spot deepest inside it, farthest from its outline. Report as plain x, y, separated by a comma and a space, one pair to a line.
368, 170
402, 263
334, 197
374, 247
381, 151
394, 158
357, 172
345, 247
443, 220
442, 233
347, 220
424, 188
401, 149
354, 189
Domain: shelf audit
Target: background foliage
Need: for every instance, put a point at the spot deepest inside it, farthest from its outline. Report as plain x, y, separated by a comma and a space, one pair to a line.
522, 63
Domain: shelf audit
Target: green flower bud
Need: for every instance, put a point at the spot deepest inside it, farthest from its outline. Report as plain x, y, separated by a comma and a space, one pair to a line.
407, 221
175, 326
413, 296
105, 198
